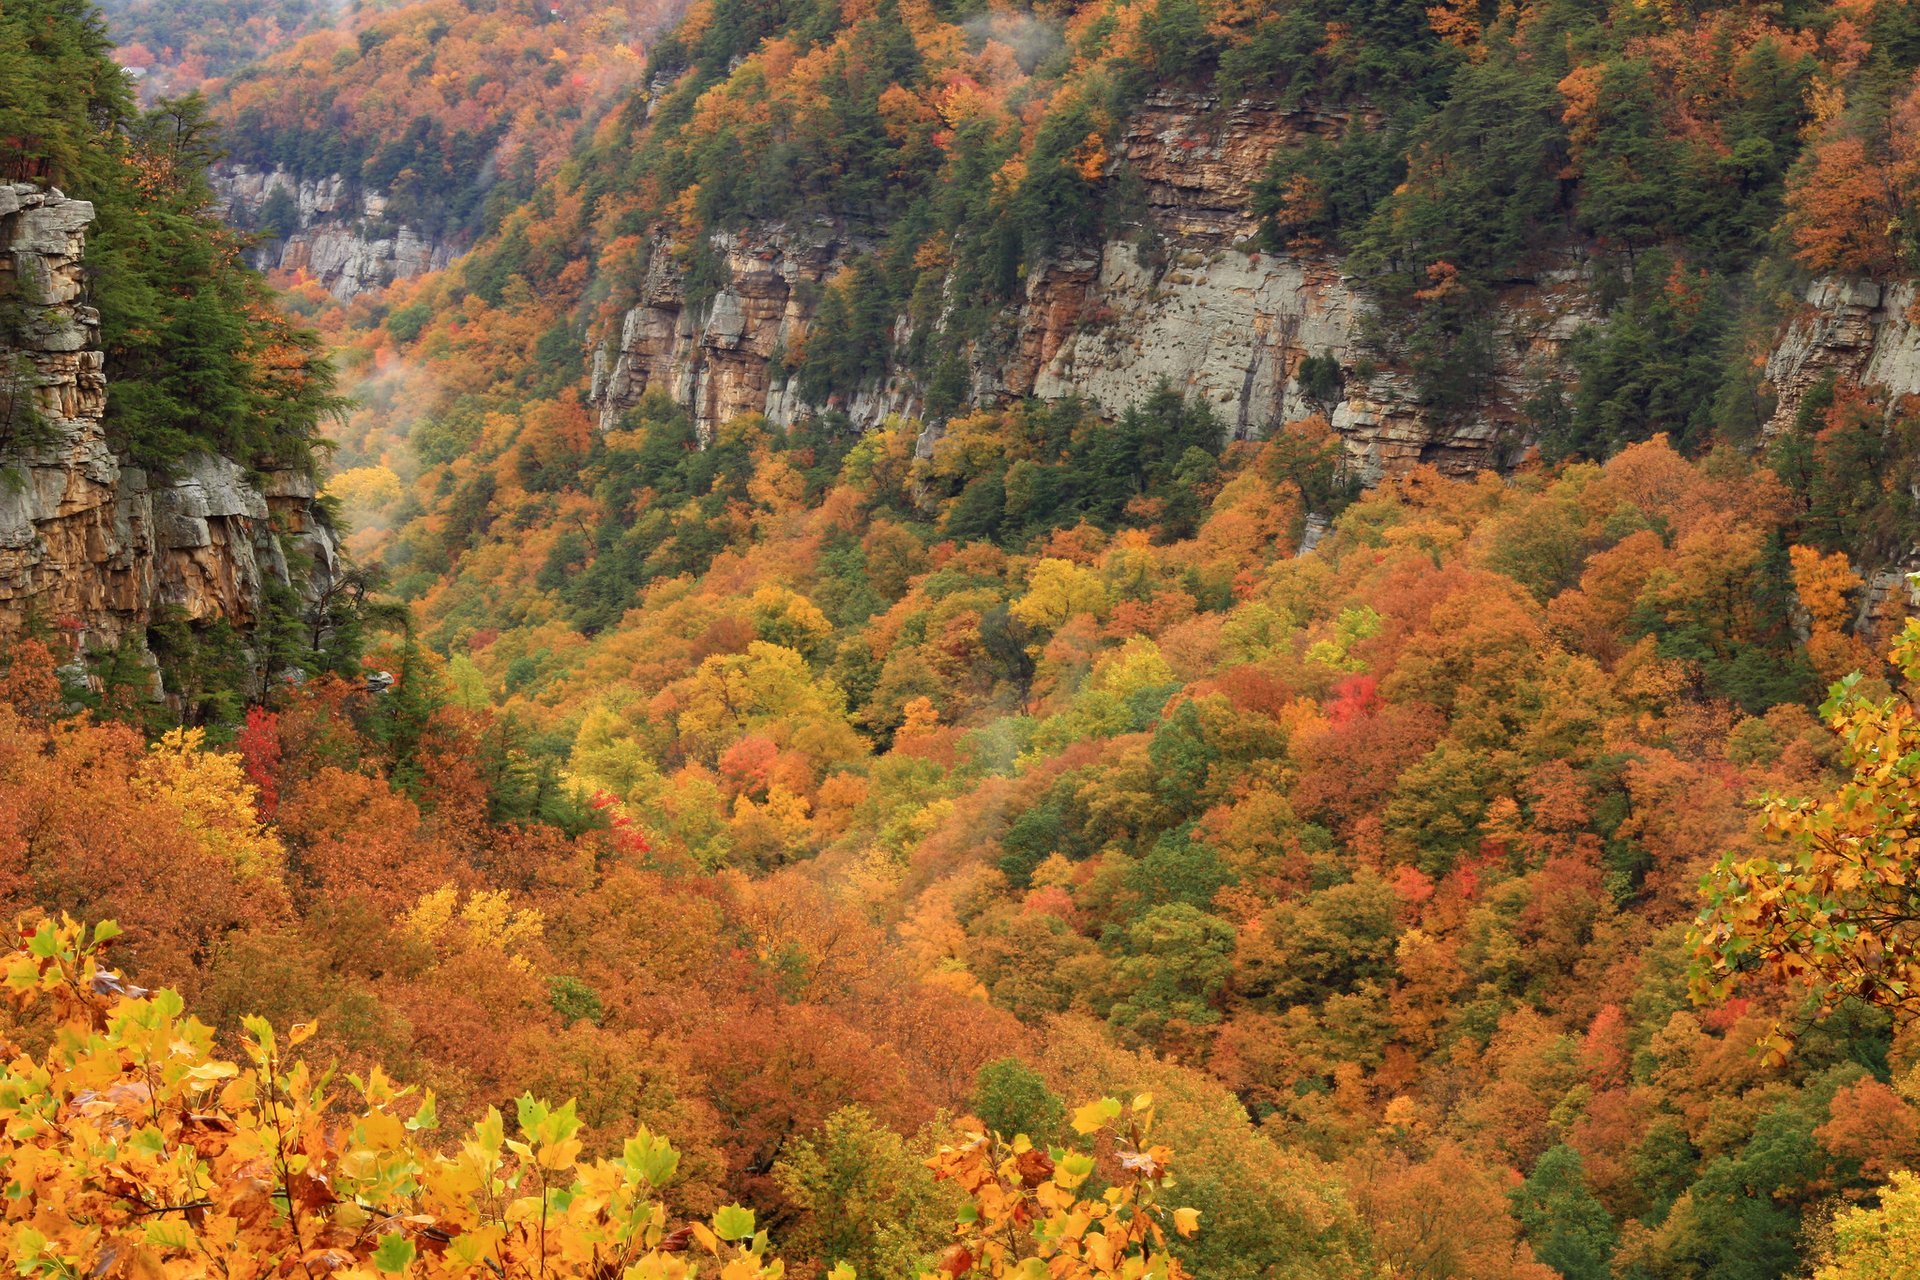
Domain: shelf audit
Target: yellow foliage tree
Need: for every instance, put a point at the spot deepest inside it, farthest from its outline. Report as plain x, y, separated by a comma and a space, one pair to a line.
1057, 591
486, 920
214, 799
771, 689
1881, 1243
1834, 901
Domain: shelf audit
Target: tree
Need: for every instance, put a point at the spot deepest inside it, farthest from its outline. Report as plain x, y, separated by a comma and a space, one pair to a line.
771, 689
1332, 941
1481, 191
92, 819
866, 1197
1445, 1219
1642, 372
1178, 961
1823, 584
1841, 207
1881, 1242
1833, 903
215, 798
1626, 163
1057, 591
1011, 1097
1565, 1223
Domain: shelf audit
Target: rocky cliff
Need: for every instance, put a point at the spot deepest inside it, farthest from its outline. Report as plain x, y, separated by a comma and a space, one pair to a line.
1870, 333
1187, 296
89, 546
1856, 329
343, 238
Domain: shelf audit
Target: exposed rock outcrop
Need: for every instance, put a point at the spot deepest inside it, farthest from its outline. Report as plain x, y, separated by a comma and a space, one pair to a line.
88, 545
1857, 329
1188, 297
1867, 332
1890, 597
343, 239
718, 358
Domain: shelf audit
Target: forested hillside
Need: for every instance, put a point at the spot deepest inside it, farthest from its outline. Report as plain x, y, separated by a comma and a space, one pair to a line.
174, 48
438, 105
1449, 819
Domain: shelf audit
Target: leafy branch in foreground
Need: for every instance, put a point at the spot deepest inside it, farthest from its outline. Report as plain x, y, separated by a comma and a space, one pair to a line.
132, 1148
1029, 1218
1833, 900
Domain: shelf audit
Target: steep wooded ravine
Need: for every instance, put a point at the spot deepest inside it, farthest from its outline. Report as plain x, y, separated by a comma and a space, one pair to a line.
954, 558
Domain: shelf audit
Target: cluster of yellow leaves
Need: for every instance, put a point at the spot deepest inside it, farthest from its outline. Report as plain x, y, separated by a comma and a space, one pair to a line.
1030, 1217
375, 489
1832, 901
1879, 1243
134, 1150
486, 919
1058, 590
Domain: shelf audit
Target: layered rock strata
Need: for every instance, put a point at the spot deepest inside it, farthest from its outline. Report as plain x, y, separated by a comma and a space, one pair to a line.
343, 238
1187, 295
1857, 329
92, 548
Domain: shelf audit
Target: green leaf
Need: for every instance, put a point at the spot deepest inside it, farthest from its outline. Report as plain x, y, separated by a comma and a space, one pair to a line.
561, 1124
1073, 1169
262, 1032
426, 1117
733, 1222
104, 931
394, 1255
651, 1158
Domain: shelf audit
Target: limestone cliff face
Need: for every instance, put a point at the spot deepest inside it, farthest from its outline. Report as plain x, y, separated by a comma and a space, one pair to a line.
1868, 332
1188, 297
717, 358
92, 547
1857, 329
342, 239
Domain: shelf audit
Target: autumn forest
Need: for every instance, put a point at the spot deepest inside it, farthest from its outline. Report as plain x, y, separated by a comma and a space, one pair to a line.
943, 639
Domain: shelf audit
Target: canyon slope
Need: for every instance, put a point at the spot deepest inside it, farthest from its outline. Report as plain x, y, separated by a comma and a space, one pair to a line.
1190, 295
1187, 294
